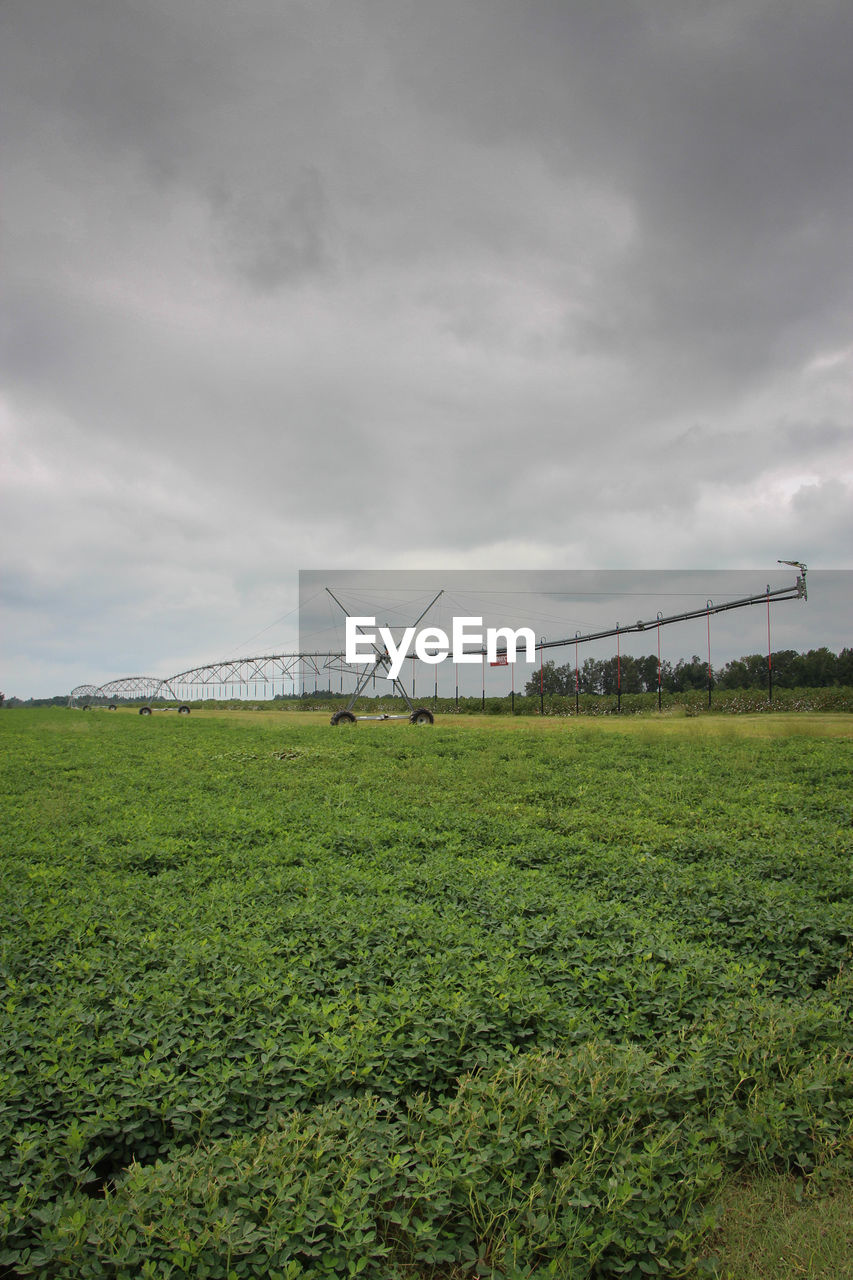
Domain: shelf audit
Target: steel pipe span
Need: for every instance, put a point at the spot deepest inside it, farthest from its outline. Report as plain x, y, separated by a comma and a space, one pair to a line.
240, 677
232, 678
123, 687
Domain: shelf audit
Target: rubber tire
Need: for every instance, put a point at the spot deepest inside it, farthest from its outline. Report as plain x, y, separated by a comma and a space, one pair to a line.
422, 716
183, 711
113, 707
145, 711
343, 717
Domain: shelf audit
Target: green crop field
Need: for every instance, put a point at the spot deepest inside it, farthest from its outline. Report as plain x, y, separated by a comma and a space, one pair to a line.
507, 999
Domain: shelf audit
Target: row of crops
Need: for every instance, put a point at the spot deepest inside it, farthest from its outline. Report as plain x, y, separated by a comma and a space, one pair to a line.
507, 1002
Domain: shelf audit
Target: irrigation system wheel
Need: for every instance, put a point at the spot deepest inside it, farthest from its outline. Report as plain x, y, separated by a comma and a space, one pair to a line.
421, 716
184, 710
145, 711
343, 717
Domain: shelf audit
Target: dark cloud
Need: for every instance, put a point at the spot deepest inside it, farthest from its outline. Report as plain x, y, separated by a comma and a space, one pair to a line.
390, 283
724, 128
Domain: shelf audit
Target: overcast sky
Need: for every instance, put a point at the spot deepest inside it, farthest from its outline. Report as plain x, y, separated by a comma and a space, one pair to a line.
386, 284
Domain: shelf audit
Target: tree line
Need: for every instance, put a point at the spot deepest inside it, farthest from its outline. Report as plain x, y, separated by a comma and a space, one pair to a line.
816, 669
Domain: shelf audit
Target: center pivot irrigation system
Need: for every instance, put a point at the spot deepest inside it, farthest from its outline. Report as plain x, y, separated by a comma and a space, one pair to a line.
289, 669
420, 715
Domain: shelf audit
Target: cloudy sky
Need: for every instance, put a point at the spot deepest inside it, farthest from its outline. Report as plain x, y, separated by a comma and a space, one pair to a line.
386, 284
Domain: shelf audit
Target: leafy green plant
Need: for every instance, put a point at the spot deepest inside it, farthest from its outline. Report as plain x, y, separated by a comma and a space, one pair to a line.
487, 1001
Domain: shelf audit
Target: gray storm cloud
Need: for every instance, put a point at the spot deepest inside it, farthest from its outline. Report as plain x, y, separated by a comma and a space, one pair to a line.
406, 285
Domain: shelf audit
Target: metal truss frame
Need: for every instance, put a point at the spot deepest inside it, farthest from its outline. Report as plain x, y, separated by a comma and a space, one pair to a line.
295, 668
235, 674
382, 661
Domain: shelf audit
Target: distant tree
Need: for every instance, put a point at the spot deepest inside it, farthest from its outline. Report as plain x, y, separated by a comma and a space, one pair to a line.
690, 675
647, 669
749, 672
632, 680
734, 675
609, 682
817, 668
785, 668
590, 676
550, 678
844, 670
620, 673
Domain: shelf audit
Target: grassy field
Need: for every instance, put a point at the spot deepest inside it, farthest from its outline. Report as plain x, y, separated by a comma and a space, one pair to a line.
497, 998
